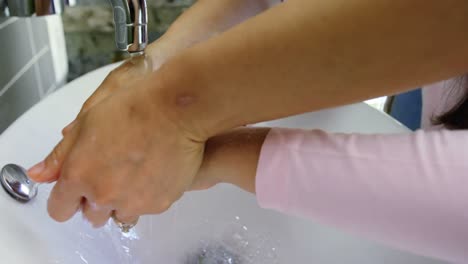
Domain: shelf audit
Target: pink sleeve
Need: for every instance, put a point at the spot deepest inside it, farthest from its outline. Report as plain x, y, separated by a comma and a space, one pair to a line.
408, 190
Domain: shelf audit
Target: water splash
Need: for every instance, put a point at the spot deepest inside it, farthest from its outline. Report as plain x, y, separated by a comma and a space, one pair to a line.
122, 242
236, 244
81, 257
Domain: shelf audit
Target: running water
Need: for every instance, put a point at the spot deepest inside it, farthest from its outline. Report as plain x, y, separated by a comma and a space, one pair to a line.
186, 234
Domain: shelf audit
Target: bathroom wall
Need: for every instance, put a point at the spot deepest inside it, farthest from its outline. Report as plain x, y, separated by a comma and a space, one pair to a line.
33, 57
31, 67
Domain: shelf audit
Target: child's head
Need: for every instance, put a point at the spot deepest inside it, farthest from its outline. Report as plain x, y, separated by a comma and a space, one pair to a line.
457, 117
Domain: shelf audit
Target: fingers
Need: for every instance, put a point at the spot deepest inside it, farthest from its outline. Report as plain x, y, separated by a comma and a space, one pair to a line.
49, 169
128, 211
96, 214
64, 201
123, 217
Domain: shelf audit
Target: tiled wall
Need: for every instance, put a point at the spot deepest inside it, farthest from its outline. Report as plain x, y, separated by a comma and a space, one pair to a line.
27, 71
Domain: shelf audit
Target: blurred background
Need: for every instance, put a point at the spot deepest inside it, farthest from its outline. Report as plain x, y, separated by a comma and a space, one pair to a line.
40, 54
89, 32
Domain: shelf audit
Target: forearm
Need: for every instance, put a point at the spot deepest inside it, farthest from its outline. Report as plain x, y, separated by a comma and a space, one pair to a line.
406, 190
307, 55
206, 18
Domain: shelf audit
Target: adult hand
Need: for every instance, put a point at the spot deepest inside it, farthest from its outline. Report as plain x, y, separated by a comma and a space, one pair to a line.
123, 155
123, 77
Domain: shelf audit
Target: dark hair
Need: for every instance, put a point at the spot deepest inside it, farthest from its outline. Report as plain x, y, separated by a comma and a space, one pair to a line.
457, 117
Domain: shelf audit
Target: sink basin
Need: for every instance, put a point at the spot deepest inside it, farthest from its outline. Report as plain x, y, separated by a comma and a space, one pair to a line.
223, 222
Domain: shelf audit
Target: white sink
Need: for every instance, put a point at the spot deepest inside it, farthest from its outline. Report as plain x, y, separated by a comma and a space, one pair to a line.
224, 217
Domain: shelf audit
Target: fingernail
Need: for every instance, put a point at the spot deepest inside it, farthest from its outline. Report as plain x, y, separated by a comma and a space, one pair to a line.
37, 169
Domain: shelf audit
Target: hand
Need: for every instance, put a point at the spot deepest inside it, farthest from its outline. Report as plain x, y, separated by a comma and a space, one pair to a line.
130, 72
123, 77
125, 155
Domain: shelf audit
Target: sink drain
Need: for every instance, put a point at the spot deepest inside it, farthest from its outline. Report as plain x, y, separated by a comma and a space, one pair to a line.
213, 255
17, 184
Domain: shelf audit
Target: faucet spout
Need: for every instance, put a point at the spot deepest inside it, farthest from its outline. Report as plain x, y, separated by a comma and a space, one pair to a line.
130, 18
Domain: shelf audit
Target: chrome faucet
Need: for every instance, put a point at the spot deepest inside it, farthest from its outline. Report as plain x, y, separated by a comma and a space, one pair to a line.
130, 18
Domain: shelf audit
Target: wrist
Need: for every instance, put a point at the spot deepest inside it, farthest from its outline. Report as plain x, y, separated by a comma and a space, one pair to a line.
232, 157
159, 52
181, 89
169, 45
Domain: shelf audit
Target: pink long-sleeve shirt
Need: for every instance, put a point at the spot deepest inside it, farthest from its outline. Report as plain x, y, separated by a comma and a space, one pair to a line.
407, 190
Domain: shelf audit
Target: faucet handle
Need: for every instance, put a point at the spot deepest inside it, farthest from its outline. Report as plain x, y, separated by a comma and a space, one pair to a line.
130, 21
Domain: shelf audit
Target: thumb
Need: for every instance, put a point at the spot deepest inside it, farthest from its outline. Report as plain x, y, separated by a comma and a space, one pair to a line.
49, 169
